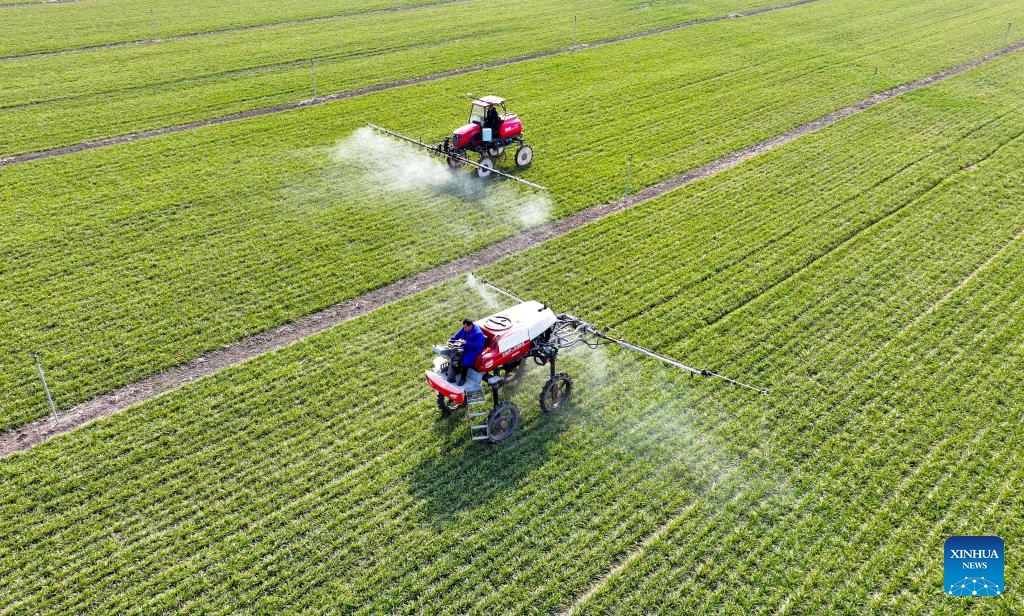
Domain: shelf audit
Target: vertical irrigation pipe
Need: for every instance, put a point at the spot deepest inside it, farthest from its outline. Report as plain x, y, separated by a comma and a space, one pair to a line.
871, 84
1006, 36
574, 32
152, 20
46, 389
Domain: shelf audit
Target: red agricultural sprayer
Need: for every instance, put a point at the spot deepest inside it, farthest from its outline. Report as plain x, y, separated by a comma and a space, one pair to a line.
528, 331
489, 133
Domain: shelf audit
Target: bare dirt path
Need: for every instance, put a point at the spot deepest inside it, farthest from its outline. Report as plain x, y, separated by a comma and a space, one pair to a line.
191, 35
13, 5
337, 96
25, 437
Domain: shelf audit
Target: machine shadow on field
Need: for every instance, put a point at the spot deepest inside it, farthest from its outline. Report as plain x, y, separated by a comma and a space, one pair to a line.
466, 474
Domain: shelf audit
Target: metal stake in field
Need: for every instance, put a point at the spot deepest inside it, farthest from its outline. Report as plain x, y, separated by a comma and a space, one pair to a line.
574, 32
871, 84
152, 20
1006, 36
312, 72
629, 173
46, 389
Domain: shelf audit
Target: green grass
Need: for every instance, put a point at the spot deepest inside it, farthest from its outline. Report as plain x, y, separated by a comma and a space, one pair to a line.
60, 26
318, 479
127, 260
65, 99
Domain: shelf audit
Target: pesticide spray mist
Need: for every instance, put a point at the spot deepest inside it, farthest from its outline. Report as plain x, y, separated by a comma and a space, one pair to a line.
489, 299
386, 165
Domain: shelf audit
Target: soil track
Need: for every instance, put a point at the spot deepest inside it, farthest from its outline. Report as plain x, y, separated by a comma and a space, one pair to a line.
13, 5
191, 35
25, 437
337, 96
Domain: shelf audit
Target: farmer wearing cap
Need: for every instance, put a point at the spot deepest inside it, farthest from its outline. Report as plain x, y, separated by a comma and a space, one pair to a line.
473, 341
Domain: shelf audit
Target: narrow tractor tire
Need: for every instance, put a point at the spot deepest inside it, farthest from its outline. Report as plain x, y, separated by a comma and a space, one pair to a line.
502, 422
555, 392
454, 163
485, 168
496, 152
524, 156
447, 406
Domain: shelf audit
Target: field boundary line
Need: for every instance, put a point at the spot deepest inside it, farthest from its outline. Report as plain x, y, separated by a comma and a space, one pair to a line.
970, 277
631, 556
21, 5
255, 345
382, 87
205, 33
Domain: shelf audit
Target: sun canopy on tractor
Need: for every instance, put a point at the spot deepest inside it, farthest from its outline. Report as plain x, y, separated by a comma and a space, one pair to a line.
490, 100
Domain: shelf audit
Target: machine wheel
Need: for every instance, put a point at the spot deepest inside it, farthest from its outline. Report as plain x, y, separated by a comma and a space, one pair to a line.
484, 170
502, 422
447, 406
495, 152
555, 392
454, 163
524, 156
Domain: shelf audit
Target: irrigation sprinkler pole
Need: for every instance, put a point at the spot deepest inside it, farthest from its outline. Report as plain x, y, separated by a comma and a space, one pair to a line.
46, 389
152, 20
312, 72
1006, 36
629, 173
871, 84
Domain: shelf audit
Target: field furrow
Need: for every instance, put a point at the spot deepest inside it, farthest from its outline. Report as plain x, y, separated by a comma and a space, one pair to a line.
876, 294
307, 213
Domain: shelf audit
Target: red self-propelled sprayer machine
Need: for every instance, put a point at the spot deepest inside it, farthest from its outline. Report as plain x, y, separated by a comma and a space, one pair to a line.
489, 133
528, 331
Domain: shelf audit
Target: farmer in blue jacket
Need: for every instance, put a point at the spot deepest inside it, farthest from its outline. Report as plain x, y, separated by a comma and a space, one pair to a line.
473, 343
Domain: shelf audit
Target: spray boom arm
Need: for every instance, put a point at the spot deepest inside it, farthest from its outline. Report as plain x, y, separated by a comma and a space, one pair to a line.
462, 159
570, 330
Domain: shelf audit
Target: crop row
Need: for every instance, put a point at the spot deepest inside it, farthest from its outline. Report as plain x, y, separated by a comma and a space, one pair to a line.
95, 95
108, 92
921, 452
259, 222
57, 26
321, 466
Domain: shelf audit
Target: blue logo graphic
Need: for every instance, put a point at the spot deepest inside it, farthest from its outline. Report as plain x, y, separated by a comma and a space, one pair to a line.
974, 566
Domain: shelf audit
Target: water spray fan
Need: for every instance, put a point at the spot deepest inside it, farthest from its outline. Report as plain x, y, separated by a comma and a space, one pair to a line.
528, 332
488, 134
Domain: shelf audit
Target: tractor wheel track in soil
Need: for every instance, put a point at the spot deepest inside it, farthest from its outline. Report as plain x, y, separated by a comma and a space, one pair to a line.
204, 33
337, 96
233, 354
20, 5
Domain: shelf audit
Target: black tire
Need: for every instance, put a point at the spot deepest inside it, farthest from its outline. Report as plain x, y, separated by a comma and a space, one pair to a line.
485, 168
447, 406
502, 422
524, 156
496, 152
555, 392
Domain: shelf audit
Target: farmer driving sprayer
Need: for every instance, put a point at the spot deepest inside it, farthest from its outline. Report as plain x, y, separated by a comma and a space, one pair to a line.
467, 343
